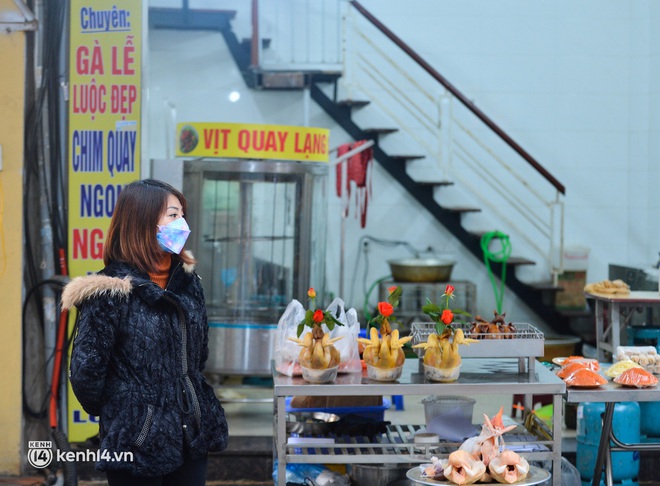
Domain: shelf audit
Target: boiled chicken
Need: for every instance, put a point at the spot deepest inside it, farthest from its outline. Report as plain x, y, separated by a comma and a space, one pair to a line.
441, 350
317, 350
384, 352
489, 442
508, 467
463, 468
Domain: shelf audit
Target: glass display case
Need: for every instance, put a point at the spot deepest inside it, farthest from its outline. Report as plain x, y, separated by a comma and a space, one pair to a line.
258, 233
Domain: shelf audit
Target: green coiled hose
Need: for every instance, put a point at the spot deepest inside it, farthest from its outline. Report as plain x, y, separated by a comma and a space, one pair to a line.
501, 256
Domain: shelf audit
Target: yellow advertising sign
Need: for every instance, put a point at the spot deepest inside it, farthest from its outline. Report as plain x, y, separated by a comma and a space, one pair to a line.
229, 140
104, 135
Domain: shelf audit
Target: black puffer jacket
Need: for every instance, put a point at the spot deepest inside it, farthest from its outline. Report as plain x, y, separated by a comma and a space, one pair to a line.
137, 363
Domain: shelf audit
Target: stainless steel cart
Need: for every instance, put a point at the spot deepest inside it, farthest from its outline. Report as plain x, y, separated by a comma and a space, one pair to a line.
478, 377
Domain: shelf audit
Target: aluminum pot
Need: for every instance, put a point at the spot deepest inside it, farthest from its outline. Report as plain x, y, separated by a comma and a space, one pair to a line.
318, 423
421, 269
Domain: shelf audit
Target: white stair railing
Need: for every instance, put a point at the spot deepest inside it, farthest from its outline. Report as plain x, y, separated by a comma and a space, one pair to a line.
301, 35
329, 35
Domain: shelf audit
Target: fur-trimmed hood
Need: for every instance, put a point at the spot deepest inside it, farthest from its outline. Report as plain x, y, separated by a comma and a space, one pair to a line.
89, 286
106, 283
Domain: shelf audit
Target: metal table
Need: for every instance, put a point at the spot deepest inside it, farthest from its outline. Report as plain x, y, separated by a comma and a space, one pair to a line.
612, 315
611, 394
478, 377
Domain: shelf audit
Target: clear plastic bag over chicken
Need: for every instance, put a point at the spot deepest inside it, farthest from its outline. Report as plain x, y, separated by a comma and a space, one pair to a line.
344, 338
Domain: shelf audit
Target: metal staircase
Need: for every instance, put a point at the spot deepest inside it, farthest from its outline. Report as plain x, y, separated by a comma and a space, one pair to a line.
457, 148
538, 297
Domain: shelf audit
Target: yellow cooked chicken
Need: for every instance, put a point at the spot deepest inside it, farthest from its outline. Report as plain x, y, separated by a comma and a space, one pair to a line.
384, 352
441, 351
317, 350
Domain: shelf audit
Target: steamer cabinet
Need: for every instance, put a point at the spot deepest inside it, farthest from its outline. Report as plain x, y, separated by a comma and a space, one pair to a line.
258, 233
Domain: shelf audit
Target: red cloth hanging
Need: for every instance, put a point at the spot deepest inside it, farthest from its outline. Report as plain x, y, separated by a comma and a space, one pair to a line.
358, 169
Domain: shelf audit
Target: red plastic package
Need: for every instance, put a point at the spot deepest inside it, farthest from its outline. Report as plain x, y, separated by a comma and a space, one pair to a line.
584, 377
574, 365
590, 363
637, 377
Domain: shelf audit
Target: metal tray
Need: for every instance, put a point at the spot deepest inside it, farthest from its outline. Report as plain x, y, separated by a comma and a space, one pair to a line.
536, 476
526, 342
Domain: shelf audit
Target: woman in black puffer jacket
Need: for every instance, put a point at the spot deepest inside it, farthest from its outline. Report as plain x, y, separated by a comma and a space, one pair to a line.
142, 343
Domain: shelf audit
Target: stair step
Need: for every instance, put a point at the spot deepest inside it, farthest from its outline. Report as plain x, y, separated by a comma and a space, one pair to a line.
435, 183
575, 312
547, 291
265, 42
478, 234
406, 158
461, 209
547, 287
353, 103
282, 80
520, 261
380, 131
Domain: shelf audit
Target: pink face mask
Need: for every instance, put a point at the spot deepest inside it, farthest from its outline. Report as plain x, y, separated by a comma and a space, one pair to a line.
173, 236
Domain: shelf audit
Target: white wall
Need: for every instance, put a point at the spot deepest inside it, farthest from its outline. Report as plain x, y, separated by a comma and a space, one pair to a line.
573, 82
569, 81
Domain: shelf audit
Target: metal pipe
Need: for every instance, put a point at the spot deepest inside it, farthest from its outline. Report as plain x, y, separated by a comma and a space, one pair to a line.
306, 104
256, 36
604, 445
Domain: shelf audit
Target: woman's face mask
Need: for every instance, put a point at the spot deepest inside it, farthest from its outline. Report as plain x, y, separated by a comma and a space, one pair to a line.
173, 236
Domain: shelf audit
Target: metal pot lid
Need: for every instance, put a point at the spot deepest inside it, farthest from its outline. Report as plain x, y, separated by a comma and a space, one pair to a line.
420, 262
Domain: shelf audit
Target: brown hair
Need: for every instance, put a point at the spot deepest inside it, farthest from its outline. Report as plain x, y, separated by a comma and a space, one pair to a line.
132, 233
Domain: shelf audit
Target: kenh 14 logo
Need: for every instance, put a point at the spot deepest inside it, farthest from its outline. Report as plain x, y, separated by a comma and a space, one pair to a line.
40, 453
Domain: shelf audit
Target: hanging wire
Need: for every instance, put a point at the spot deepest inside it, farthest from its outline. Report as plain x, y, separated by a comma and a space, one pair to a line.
43, 141
28, 387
